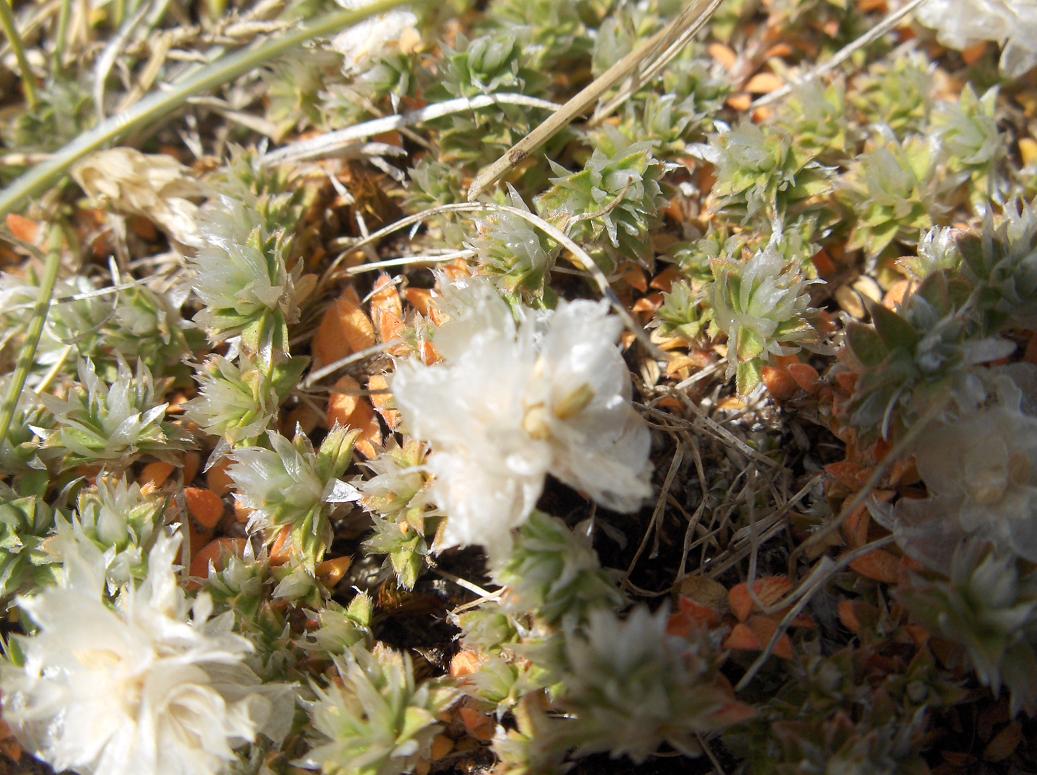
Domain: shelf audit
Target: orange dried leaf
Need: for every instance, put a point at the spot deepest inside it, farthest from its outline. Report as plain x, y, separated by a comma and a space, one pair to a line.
763, 83
878, 565
343, 401
634, 276
724, 55
218, 479
477, 724
441, 747
768, 591
742, 638
1004, 743
805, 375
330, 572
192, 462
204, 505
851, 475
740, 102
378, 385
387, 309
465, 663
665, 279
848, 615
216, 552
974, 53
156, 473
344, 329
421, 300
24, 229
281, 550
779, 382
764, 628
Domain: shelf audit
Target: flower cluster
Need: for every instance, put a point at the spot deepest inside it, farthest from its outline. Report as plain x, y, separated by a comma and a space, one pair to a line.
151, 684
630, 687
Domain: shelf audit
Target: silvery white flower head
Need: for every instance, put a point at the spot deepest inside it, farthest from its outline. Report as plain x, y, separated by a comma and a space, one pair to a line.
628, 686
149, 687
980, 469
1010, 23
515, 400
362, 43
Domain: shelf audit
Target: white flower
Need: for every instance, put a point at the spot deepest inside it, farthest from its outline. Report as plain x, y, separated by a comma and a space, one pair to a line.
363, 42
1010, 23
516, 401
981, 474
141, 689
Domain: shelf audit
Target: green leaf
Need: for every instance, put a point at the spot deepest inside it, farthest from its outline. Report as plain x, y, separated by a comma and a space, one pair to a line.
748, 376
894, 330
866, 344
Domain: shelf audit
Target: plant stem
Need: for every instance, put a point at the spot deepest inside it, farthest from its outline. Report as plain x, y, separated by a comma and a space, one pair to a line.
61, 38
159, 103
7, 21
27, 357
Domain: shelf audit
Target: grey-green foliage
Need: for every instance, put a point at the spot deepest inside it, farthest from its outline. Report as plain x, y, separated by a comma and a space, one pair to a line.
292, 485
613, 201
970, 145
488, 64
25, 523
986, 604
403, 515
764, 175
515, 253
972, 287
896, 93
763, 307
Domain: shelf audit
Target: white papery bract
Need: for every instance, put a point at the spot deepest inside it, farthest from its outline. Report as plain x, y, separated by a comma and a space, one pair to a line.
514, 401
1010, 23
143, 688
362, 43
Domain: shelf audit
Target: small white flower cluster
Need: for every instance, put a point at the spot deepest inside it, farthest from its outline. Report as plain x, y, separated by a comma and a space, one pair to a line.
141, 687
515, 400
1010, 23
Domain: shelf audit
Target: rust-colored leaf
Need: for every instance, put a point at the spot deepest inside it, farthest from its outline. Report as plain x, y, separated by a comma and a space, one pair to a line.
477, 724
344, 329
216, 552
779, 382
204, 505
878, 565
330, 572
763, 83
24, 229
387, 309
768, 591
